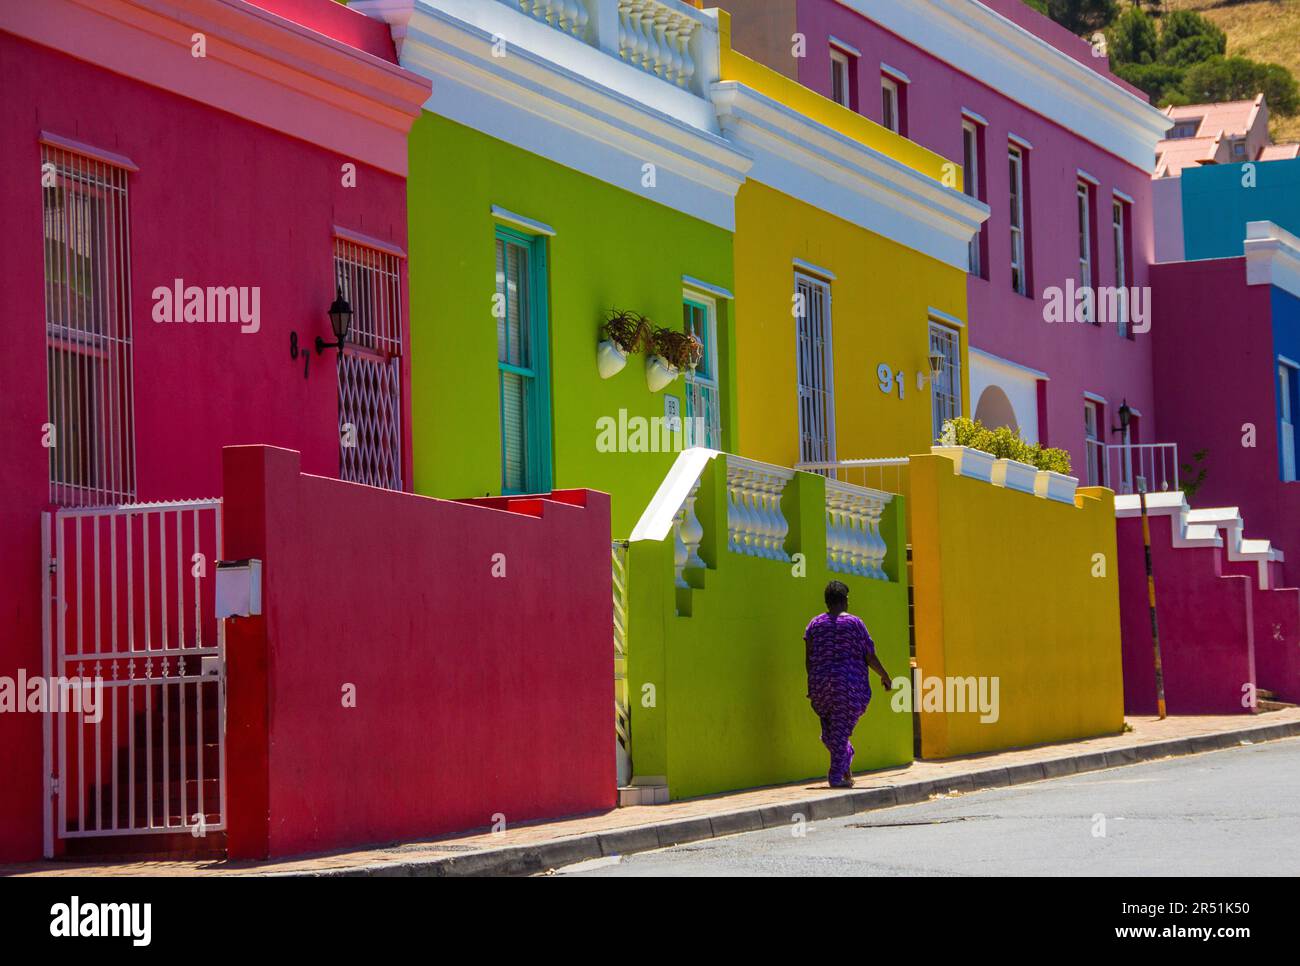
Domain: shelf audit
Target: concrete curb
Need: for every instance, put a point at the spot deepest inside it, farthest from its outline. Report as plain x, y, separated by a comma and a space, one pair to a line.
514, 860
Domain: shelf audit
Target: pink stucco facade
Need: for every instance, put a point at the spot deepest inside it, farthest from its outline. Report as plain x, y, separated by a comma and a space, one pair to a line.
1076, 358
226, 186
1215, 368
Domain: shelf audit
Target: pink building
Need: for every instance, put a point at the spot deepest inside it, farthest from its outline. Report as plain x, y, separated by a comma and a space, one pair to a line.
194, 183
1061, 151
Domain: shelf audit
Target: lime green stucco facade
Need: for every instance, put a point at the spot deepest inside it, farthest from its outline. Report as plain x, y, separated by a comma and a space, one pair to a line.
717, 683
610, 247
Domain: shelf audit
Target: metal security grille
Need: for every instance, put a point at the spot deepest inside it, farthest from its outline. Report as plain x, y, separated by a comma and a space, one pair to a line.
370, 419
129, 609
370, 374
945, 391
90, 435
815, 382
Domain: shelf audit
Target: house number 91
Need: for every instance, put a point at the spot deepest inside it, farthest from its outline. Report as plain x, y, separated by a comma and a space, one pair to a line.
886, 378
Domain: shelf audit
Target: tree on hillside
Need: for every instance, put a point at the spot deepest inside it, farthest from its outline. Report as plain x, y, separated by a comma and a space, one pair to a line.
1238, 79
1132, 39
1187, 38
1079, 16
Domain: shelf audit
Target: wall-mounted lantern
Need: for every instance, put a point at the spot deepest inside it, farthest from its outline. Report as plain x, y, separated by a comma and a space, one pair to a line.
937, 362
340, 321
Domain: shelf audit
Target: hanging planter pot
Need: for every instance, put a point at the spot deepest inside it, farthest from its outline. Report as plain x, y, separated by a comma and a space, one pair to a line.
658, 373
610, 359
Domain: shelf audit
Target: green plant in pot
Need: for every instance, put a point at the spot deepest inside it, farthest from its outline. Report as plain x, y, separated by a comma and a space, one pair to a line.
672, 352
622, 334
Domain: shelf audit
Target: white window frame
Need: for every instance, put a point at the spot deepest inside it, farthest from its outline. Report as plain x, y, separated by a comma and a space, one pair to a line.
890, 103
1288, 376
945, 389
970, 143
842, 63
1093, 444
1083, 205
1016, 212
816, 403
700, 388
1119, 234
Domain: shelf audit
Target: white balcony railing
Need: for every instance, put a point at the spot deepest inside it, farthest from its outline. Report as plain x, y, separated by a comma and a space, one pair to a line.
1154, 463
755, 523
888, 474
658, 36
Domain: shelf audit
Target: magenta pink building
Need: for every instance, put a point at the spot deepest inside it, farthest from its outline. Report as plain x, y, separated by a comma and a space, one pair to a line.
1061, 151
194, 183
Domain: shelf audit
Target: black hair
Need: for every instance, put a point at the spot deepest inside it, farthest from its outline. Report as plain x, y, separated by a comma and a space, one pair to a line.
837, 596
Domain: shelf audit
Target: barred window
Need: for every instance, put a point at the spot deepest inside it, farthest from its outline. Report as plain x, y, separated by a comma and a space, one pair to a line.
91, 431
369, 370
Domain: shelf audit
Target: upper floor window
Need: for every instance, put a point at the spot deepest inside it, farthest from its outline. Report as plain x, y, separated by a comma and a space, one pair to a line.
88, 330
1239, 149
1288, 389
1093, 443
703, 403
1185, 129
893, 101
1083, 206
945, 388
972, 139
844, 81
814, 369
1121, 241
522, 362
1019, 227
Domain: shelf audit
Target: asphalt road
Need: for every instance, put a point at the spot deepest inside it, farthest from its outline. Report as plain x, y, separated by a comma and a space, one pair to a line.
1230, 813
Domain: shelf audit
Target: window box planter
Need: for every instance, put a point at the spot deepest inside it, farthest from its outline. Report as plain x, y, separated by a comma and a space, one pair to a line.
658, 373
610, 359
974, 463
1015, 475
1056, 486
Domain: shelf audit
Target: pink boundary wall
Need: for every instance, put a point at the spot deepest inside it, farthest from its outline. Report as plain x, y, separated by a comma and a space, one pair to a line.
456, 719
1205, 619
1078, 358
218, 199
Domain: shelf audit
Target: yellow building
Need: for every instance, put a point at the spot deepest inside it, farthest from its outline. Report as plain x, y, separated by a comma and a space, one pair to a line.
851, 253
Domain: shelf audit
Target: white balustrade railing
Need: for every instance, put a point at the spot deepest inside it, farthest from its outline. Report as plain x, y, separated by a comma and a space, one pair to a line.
853, 541
568, 16
755, 523
655, 35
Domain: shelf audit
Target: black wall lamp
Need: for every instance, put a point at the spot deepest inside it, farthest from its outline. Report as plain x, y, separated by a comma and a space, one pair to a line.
340, 322
1125, 417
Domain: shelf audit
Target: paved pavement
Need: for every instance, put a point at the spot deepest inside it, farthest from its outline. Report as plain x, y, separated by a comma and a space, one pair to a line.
544, 845
1224, 813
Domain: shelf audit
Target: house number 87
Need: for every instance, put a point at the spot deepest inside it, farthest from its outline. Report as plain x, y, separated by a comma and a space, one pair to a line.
887, 379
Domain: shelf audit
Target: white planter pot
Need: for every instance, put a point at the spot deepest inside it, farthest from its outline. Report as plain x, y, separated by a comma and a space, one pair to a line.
975, 463
658, 373
1056, 486
610, 359
1015, 475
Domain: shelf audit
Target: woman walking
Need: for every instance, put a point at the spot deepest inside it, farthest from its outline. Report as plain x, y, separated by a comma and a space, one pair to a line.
838, 652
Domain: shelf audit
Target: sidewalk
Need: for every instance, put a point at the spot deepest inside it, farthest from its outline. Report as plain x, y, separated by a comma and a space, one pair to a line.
538, 847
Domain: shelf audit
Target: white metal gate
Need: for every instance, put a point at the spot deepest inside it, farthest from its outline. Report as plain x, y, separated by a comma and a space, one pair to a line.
134, 670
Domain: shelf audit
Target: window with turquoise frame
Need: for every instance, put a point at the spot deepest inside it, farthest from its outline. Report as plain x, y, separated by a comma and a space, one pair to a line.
703, 412
523, 365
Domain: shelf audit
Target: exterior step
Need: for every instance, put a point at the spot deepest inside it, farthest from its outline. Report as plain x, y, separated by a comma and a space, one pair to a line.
1264, 705
642, 795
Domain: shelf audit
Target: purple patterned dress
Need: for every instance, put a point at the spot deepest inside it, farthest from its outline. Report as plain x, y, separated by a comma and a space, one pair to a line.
837, 649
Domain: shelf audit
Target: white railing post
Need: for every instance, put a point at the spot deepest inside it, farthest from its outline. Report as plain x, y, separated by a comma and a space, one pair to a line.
687, 534
755, 524
853, 541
